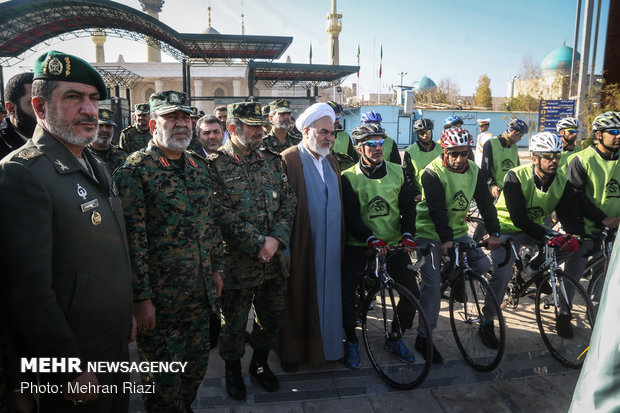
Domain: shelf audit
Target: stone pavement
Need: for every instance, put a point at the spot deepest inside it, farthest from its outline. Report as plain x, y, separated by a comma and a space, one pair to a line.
528, 380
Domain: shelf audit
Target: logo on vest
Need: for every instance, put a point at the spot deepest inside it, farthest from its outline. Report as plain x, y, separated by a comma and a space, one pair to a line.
459, 202
378, 207
534, 213
612, 189
507, 165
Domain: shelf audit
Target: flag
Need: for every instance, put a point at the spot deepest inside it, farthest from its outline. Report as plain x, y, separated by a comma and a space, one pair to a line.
358, 62
381, 62
310, 53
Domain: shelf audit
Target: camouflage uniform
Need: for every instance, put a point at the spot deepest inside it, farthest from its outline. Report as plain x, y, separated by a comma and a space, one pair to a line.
271, 141
133, 137
256, 188
113, 157
194, 145
170, 210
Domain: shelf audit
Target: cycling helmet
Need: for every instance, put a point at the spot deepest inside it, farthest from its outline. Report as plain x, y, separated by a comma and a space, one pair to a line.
545, 142
337, 107
422, 124
607, 120
371, 117
362, 132
452, 121
518, 125
567, 123
455, 138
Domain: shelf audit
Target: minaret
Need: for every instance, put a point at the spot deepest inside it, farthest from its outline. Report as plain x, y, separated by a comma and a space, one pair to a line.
334, 26
99, 39
152, 8
242, 24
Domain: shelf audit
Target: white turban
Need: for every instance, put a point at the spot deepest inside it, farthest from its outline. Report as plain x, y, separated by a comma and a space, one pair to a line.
314, 112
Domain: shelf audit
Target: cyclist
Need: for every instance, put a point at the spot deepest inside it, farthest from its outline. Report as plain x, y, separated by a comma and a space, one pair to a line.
390, 147
482, 138
343, 149
531, 192
379, 211
568, 129
449, 183
500, 154
420, 153
452, 121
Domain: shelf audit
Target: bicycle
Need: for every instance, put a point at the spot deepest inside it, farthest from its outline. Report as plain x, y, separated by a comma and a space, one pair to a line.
379, 298
468, 291
553, 301
597, 265
475, 223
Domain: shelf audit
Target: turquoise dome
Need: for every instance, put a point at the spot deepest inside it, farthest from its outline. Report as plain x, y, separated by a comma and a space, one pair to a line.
558, 60
424, 84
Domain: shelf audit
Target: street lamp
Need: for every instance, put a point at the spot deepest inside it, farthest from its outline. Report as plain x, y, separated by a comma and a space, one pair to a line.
401, 78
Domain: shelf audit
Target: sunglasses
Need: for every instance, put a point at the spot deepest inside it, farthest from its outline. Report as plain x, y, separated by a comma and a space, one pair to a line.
375, 142
614, 132
571, 130
462, 154
550, 155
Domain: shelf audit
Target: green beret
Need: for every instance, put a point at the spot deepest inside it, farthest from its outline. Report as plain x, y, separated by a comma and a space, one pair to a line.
169, 101
64, 67
106, 117
142, 109
280, 106
247, 112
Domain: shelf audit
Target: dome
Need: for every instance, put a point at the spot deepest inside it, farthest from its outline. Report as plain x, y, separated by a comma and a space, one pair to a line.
424, 84
558, 60
210, 30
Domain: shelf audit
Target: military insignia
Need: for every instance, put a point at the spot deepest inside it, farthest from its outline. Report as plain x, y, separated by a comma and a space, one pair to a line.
81, 192
237, 158
164, 162
87, 206
274, 194
174, 98
257, 110
29, 153
95, 218
61, 165
67, 66
285, 103
55, 66
134, 159
284, 177
260, 155
192, 162
105, 115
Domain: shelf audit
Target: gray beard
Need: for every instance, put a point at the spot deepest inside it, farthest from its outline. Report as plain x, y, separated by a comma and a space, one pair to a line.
247, 142
173, 144
313, 144
62, 130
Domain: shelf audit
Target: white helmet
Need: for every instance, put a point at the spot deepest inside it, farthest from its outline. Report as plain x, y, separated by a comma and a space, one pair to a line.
567, 123
545, 142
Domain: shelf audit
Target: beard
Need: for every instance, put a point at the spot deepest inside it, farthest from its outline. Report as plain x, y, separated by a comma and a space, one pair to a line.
315, 146
247, 142
62, 129
103, 139
24, 122
283, 124
170, 142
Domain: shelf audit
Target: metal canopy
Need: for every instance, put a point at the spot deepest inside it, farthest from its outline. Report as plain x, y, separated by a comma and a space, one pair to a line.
291, 74
118, 76
27, 23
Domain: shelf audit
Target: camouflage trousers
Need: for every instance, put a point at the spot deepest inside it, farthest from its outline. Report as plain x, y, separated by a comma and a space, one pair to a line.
267, 300
176, 339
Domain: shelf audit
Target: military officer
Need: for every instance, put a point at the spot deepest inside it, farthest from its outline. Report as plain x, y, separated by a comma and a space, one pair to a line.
250, 181
280, 137
138, 135
194, 145
66, 270
102, 146
176, 251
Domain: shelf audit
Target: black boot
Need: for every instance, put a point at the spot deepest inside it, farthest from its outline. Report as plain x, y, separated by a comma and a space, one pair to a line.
259, 368
234, 380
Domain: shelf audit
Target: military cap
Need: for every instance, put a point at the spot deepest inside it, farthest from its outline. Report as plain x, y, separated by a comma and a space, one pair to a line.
169, 101
105, 117
142, 109
194, 113
483, 121
247, 112
265, 110
64, 67
201, 113
280, 106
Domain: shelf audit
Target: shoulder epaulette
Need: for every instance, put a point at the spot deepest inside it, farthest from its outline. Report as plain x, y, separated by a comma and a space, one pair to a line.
29, 153
135, 158
127, 128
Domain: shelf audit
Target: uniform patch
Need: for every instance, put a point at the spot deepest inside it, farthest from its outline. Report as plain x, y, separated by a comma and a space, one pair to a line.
612, 189
61, 165
260, 155
81, 192
134, 159
164, 162
29, 153
378, 207
192, 162
534, 213
284, 177
237, 158
459, 202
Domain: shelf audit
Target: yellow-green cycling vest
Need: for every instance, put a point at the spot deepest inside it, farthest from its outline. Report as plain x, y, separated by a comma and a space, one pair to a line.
387, 147
539, 204
603, 186
504, 159
378, 200
419, 160
341, 144
459, 190
563, 165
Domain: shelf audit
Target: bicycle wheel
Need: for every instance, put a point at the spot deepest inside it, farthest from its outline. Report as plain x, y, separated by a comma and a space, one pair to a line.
466, 302
595, 288
570, 351
380, 312
476, 229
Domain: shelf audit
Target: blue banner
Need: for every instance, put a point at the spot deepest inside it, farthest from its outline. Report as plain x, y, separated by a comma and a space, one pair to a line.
551, 111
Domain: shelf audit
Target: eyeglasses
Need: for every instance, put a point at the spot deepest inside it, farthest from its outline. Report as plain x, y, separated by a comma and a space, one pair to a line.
456, 154
571, 130
614, 132
338, 117
375, 142
550, 155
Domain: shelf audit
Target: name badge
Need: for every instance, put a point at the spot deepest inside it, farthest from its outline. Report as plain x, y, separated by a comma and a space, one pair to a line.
87, 206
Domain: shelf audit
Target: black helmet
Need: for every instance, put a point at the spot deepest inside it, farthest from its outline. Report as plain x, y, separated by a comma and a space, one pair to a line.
422, 124
518, 125
336, 106
362, 132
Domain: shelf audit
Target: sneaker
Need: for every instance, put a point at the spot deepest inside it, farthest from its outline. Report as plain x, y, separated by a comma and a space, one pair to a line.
401, 351
563, 326
487, 335
352, 355
420, 346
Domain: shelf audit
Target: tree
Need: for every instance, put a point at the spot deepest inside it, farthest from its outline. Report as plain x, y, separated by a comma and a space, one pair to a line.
482, 96
608, 98
447, 91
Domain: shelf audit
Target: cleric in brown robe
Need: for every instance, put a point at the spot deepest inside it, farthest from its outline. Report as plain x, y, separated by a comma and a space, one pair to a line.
312, 327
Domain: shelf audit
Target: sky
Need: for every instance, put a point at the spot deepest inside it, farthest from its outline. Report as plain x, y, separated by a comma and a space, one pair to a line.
456, 39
